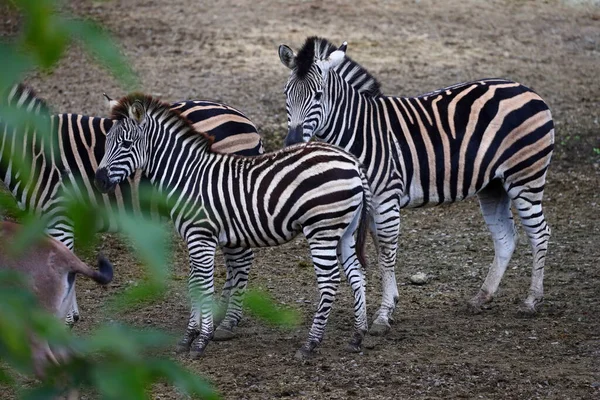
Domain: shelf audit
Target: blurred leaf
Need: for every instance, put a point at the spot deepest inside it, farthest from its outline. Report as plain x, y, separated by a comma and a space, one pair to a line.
12, 71
151, 242
121, 381
130, 344
142, 294
189, 383
33, 229
260, 304
99, 43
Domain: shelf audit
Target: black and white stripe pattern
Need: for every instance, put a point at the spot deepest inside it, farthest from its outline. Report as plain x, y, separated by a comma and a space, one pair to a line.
491, 138
70, 164
223, 200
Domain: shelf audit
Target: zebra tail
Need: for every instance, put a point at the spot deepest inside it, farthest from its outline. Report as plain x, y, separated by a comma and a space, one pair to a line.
363, 225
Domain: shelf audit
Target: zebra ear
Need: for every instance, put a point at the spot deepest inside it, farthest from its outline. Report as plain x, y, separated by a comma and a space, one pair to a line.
110, 103
136, 112
334, 58
287, 56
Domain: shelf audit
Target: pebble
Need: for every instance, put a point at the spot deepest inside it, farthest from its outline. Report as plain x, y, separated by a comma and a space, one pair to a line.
420, 278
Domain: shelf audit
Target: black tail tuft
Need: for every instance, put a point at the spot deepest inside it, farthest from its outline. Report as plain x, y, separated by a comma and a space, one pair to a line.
105, 271
361, 236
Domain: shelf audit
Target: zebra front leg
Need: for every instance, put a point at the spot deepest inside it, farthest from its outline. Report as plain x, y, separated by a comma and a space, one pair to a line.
386, 227
238, 262
201, 288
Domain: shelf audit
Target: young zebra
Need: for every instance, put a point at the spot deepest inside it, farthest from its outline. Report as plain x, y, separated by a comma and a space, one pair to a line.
70, 167
226, 200
491, 138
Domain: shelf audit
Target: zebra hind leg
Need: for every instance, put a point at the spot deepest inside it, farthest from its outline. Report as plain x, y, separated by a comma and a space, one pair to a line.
238, 263
495, 207
324, 256
387, 227
354, 275
529, 207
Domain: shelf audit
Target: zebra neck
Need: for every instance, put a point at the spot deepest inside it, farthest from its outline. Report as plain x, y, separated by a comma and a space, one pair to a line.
351, 115
173, 156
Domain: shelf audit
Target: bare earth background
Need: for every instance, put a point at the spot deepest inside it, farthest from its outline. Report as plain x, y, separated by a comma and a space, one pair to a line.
227, 50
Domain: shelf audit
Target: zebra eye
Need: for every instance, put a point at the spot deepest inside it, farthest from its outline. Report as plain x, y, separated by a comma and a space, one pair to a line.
127, 144
318, 96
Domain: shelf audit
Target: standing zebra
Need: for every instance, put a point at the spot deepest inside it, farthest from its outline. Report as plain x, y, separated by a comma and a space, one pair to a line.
224, 200
491, 138
70, 168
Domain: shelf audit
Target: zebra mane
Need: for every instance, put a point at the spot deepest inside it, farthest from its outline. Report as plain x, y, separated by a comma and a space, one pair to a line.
316, 48
156, 106
16, 91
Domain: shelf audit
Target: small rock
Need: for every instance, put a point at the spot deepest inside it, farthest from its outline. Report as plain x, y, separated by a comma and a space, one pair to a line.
420, 278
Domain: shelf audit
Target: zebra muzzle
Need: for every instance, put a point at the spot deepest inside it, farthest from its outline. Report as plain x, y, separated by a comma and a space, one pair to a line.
102, 181
294, 136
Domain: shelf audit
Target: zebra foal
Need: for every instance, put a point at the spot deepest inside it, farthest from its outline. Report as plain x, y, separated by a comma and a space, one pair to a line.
226, 200
70, 166
491, 138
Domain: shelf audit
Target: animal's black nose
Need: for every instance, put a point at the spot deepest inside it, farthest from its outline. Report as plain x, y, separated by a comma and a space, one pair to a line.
294, 136
76, 317
101, 180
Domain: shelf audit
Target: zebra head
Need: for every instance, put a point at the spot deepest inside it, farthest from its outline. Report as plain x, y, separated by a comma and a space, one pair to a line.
306, 95
125, 149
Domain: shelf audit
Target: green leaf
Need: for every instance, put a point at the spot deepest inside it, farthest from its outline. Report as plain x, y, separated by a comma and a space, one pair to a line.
15, 64
184, 380
260, 304
142, 294
99, 43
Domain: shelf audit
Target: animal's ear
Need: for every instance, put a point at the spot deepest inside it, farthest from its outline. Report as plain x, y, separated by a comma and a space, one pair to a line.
334, 58
287, 56
110, 103
136, 112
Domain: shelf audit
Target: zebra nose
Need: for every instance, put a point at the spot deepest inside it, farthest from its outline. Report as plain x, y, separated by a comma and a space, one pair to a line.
294, 136
101, 180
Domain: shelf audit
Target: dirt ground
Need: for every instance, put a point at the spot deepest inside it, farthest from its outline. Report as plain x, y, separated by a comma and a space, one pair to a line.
227, 50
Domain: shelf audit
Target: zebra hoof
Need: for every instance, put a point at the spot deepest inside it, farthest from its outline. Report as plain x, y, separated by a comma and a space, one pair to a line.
353, 348
529, 310
223, 334
473, 307
197, 352
307, 351
182, 348
379, 328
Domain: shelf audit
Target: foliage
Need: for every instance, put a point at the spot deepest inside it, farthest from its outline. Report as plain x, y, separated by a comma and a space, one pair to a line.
112, 361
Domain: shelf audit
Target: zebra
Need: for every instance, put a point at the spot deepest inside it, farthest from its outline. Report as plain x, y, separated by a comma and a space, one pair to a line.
492, 138
70, 166
228, 200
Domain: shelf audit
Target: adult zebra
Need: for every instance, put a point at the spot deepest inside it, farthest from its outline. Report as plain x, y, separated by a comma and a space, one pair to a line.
70, 168
491, 138
227, 200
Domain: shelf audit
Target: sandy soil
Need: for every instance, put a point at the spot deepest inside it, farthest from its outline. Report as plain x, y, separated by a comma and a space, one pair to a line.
227, 50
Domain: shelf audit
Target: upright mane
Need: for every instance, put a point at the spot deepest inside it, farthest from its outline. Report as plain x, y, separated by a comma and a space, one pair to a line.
155, 106
316, 48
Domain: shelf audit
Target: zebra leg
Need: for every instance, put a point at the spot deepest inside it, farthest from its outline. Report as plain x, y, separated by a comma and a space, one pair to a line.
354, 275
386, 226
238, 262
324, 256
529, 207
201, 288
221, 305
495, 207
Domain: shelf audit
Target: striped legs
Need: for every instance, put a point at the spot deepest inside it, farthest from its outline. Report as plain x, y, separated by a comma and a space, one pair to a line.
238, 262
495, 206
326, 251
386, 228
325, 261
201, 288
529, 207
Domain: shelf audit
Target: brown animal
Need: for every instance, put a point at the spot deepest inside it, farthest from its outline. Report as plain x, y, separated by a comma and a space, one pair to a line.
50, 268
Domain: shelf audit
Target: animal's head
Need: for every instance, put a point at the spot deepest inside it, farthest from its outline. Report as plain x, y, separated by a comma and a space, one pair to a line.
306, 89
126, 141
